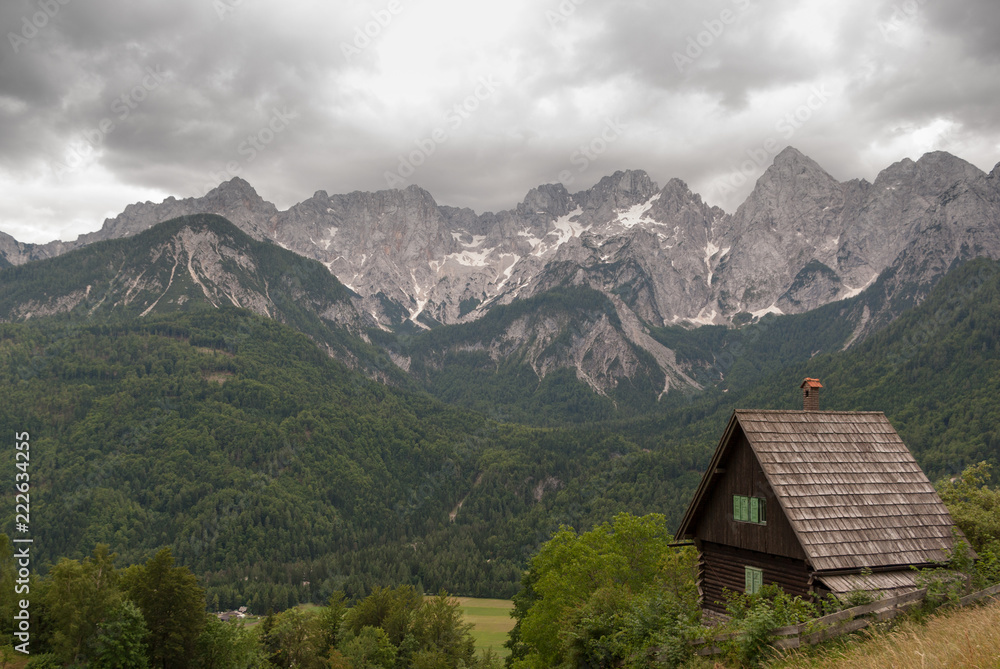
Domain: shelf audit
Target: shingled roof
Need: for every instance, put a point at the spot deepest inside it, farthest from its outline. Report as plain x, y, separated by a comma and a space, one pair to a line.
847, 483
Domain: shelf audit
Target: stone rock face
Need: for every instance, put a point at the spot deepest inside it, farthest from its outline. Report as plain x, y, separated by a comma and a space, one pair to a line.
799, 241
198, 259
802, 239
793, 218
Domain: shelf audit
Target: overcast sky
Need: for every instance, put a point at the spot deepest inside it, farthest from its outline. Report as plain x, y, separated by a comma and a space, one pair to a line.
108, 102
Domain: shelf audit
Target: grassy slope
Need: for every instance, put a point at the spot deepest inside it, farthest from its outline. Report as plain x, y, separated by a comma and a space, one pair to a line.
963, 638
958, 638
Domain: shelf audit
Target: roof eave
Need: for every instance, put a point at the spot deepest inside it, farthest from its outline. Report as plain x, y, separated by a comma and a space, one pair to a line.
684, 531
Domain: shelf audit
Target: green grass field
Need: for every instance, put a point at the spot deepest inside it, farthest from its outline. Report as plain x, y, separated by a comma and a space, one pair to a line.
492, 621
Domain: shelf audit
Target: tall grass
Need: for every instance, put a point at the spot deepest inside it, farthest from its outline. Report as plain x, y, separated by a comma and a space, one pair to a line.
961, 638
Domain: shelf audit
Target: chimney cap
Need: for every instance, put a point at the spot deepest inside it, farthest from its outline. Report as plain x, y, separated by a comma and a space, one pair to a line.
811, 383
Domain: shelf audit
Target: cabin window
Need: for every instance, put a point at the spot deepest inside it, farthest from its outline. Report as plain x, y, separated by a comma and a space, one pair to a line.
754, 580
740, 508
749, 509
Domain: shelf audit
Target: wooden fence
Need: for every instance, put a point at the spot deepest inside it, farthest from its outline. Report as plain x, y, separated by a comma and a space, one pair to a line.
842, 622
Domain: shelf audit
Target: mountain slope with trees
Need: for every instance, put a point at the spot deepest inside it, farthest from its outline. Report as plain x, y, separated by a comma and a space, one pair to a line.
278, 474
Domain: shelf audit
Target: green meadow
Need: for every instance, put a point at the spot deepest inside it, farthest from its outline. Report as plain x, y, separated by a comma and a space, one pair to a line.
492, 621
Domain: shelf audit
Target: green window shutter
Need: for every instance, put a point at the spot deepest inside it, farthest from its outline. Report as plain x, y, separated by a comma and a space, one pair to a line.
748, 580
758, 580
741, 510
754, 510
753, 580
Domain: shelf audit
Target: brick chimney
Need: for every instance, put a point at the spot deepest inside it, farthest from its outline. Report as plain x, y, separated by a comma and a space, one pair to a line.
810, 394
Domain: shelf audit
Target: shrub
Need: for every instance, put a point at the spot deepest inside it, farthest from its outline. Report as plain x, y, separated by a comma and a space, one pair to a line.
754, 617
948, 582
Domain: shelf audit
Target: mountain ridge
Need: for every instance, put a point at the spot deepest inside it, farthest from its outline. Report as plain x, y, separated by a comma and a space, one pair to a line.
412, 259
661, 256
187, 263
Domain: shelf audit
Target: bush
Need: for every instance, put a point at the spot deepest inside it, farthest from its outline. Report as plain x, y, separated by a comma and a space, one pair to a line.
988, 567
949, 581
754, 617
618, 595
44, 661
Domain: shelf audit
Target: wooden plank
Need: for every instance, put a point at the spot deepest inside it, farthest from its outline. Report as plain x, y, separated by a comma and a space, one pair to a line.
889, 614
831, 632
793, 642
720, 637
847, 623
898, 600
789, 630
978, 596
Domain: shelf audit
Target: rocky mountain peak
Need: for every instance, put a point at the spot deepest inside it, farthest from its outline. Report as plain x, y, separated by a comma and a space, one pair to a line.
675, 197
551, 199
942, 160
633, 186
790, 154
236, 186
899, 171
940, 171
800, 240
934, 175
791, 191
616, 193
415, 192
792, 165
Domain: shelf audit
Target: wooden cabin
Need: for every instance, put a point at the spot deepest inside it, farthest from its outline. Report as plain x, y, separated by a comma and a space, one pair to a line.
809, 500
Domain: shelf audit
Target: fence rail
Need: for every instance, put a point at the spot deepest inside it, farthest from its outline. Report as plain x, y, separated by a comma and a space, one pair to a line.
842, 622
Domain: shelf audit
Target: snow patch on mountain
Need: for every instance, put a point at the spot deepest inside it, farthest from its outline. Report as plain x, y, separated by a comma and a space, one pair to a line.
773, 309
635, 214
565, 228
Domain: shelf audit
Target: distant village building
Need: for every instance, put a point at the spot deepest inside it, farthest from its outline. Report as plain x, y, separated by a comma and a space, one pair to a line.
810, 500
235, 614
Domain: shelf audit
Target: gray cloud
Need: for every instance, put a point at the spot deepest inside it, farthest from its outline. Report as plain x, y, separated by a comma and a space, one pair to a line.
699, 86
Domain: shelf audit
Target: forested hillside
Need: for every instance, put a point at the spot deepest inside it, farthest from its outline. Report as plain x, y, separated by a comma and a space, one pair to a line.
279, 475
935, 372
270, 469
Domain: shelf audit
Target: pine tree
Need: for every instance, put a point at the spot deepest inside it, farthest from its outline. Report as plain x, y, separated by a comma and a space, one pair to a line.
173, 605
